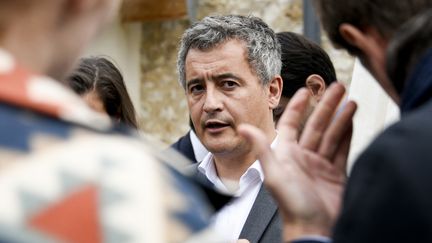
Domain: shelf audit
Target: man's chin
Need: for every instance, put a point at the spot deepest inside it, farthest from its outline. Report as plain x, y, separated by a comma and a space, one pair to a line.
217, 149
227, 148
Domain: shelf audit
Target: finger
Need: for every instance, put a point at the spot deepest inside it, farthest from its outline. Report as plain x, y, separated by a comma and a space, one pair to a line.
261, 145
289, 123
336, 131
321, 117
242, 241
341, 155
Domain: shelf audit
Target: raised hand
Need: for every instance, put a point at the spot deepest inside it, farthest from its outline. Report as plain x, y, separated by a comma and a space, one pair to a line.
306, 172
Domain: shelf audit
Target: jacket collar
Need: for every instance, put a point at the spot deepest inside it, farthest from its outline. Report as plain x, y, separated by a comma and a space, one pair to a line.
418, 87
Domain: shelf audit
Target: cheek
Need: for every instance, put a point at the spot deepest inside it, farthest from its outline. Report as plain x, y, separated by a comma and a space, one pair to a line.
255, 107
194, 112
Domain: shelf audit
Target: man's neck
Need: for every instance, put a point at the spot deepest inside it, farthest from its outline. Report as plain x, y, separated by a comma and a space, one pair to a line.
233, 165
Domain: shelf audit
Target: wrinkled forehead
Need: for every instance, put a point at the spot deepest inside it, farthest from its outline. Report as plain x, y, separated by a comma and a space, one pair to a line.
205, 46
228, 49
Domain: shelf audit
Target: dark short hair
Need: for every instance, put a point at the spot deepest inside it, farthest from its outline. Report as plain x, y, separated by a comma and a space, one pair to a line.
100, 75
384, 15
300, 59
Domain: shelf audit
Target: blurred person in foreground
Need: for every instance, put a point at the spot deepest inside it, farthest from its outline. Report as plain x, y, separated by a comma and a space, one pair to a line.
387, 197
101, 85
66, 172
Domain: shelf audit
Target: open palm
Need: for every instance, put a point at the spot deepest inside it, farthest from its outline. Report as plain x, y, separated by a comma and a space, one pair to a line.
306, 172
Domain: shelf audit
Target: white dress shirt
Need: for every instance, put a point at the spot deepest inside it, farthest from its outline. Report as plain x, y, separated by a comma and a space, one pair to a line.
199, 150
229, 221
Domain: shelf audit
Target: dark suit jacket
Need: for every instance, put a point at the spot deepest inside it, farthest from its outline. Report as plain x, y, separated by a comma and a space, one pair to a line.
389, 194
263, 223
184, 146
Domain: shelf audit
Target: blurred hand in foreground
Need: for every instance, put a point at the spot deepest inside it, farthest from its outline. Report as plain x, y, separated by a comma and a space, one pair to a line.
306, 172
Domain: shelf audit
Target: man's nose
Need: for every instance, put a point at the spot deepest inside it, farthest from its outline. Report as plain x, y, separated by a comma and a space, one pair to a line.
213, 101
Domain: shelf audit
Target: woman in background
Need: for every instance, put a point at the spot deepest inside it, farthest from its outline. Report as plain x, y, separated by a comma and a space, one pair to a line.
101, 85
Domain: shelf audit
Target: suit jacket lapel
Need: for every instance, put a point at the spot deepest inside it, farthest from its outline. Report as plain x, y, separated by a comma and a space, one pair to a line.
263, 210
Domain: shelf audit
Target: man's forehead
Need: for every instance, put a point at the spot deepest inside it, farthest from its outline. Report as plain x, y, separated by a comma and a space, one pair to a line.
221, 57
228, 45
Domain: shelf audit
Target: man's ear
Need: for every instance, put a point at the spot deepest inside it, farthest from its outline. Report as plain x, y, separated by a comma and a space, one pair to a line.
275, 90
352, 35
369, 41
316, 86
373, 46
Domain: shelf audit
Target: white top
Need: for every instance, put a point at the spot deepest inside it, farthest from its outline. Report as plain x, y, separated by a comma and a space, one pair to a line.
199, 150
229, 221
375, 110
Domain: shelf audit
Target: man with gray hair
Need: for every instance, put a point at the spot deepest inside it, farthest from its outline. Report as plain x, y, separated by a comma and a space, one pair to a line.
229, 68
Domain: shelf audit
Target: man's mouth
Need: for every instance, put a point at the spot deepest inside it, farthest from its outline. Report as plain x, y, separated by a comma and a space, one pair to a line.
215, 125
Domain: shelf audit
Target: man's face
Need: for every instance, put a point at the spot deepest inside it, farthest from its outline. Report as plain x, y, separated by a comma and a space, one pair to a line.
379, 72
223, 92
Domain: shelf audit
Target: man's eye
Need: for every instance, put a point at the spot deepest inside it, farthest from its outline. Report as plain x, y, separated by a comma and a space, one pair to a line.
196, 88
229, 84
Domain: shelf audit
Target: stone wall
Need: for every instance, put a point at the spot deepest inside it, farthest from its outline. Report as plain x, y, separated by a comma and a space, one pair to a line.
163, 105
163, 109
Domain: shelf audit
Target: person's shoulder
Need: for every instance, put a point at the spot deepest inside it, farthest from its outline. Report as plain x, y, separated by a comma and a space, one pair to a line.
413, 132
183, 139
391, 175
404, 146
121, 172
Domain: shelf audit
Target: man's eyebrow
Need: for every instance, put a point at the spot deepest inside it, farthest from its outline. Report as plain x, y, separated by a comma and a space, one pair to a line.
193, 81
226, 76
214, 77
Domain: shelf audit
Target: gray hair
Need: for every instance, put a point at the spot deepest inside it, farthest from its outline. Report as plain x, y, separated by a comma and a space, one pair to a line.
263, 49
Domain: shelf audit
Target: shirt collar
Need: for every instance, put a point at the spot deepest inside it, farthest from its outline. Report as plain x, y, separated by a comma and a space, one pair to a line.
418, 86
199, 150
207, 167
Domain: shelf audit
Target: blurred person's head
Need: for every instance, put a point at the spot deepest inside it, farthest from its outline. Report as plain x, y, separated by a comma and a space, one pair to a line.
364, 28
47, 36
304, 64
101, 85
229, 67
